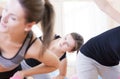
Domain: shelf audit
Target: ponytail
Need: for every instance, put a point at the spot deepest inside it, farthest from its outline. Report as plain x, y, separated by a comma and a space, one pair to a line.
40, 11
47, 24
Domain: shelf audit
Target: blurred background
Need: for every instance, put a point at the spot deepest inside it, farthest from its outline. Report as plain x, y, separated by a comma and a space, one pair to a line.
82, 16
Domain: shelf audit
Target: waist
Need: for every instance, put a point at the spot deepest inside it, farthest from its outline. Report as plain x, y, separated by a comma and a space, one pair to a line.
9, 73
2, 69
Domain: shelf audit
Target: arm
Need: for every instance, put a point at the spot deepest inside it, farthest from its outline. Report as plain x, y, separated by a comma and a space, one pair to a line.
106, 7
50, 63
62, 69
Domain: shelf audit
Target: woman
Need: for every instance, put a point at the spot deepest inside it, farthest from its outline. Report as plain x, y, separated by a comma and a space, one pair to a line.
101, 54
59, 46
16, 37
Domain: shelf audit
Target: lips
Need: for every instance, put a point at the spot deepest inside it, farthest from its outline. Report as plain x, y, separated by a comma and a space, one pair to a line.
60, 44
3, 24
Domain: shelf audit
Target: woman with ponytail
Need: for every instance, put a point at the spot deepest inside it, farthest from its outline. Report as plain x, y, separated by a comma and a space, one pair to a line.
18, 42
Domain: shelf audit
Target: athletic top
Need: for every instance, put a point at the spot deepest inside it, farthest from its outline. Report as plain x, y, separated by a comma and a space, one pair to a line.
15, 61
33, 62
104, 48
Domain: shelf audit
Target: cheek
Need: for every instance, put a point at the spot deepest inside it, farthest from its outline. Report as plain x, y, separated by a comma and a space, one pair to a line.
64, 48
69, 49
16, 27
12, 23
13, 26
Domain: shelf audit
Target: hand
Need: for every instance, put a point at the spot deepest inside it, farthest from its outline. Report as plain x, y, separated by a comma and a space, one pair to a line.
18, 75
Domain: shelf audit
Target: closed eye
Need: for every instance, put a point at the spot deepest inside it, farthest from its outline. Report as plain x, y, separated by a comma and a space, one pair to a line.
13, 18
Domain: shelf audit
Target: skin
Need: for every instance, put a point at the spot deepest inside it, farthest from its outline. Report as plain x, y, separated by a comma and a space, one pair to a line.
106, 7
62, 45
59, 47
65, 44
13, 29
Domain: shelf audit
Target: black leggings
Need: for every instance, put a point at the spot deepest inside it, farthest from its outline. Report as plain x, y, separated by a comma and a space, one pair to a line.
8, 74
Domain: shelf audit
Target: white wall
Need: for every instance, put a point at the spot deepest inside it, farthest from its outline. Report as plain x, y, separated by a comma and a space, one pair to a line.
58, 6
85, 18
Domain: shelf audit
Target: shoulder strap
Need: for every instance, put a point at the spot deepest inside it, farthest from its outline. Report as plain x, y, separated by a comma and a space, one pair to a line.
20, 56
56, 36
63, 56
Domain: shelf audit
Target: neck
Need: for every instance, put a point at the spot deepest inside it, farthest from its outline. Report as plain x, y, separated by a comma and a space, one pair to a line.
13, 38
18, 38
54, 47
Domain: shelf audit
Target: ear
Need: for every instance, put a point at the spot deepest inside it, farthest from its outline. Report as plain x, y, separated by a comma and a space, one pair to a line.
29, 26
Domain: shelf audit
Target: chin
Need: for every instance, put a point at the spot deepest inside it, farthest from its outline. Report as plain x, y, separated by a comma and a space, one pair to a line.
70, 51
3, 29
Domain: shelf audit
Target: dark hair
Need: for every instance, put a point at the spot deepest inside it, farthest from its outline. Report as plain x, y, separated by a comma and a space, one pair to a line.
43, 12
78, 41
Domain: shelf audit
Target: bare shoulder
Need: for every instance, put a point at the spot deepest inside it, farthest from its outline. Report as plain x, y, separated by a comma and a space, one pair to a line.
49, 58
35, 50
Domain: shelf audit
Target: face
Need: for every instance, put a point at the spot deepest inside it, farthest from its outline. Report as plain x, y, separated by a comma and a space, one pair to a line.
67, 43
13, 18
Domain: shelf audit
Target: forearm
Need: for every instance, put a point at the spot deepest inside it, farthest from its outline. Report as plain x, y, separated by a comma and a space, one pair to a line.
106, 7
62, 75
63, 69
102, 4
40, 69
50, 62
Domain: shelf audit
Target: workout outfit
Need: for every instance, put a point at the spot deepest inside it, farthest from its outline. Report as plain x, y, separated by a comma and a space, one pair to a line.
14, 63
100, 55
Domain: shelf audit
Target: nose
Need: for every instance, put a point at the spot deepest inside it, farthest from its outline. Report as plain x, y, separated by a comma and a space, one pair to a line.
64, 42
4, 17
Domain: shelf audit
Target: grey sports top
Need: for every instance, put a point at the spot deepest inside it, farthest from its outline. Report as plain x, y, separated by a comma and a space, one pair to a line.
15, 61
